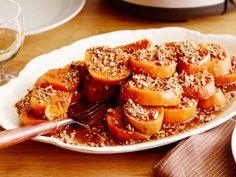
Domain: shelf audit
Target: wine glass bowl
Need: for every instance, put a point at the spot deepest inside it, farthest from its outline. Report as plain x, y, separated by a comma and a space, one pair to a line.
11, 34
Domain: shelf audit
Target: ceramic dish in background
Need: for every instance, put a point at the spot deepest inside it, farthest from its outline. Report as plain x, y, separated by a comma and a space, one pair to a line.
17, 88
43, 15
233, 144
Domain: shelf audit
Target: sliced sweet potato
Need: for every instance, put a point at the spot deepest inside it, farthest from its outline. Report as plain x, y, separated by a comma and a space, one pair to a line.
147, 91
133, 47
216, 101
193, 58
27, 117
158, 61
64, 79
149, 68
229, 78
229, 88
95, 92
50, 102
81, 68
106, 65
146, 120
181, 113
200, 86
57, 106
116, 126
220, 60
225, 79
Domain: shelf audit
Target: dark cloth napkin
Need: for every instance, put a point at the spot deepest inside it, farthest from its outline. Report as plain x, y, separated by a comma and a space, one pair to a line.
205, 155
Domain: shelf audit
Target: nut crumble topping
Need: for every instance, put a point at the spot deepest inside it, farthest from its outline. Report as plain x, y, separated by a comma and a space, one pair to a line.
66, 137
190, 52
42, 94
201, 116
159, 55
198, 79
72, 77
107, 60
233, 64
187, 102
139, 112
217, 52
24, 103
146, 82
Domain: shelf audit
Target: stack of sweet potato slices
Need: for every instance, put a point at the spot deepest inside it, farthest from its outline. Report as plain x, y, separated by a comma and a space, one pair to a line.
152, 85
170, 81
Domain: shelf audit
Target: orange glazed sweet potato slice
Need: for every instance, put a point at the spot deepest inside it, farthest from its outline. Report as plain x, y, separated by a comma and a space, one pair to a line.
159, 61
230, 87
50, 102
107, 65
193, 57
116, 126
200, 86
95, 92
146, 120
181, 113
216, 101
220, 60
148, 91
133, 47
27, 117
65, 79
58, 106
228, 78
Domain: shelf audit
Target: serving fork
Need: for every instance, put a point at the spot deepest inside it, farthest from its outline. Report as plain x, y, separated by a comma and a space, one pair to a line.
83, 118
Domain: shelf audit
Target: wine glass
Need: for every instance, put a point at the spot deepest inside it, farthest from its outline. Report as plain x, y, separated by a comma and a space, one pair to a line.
11, 35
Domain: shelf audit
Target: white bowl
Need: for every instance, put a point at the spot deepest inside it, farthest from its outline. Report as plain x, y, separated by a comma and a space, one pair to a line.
43, 15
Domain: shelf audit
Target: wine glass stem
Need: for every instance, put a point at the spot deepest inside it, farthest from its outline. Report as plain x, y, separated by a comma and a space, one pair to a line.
1, 69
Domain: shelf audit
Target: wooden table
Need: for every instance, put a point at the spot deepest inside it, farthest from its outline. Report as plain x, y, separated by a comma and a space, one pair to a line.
36, 159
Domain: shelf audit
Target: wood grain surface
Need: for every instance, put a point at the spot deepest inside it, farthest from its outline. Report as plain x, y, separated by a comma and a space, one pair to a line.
33, 159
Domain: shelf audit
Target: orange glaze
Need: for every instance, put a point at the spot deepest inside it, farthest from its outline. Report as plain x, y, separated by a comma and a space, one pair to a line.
98, 134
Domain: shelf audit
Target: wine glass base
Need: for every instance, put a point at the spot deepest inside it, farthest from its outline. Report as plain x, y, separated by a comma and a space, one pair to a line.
4, 78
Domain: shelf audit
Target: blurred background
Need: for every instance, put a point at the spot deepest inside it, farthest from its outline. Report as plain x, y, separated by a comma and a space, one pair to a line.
100, 16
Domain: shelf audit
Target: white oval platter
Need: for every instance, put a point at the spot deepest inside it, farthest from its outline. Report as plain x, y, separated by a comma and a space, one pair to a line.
17, 88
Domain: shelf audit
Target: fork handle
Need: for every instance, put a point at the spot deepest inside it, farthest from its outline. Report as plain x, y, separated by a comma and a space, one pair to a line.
18, 135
